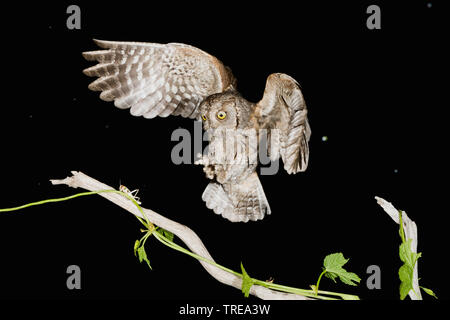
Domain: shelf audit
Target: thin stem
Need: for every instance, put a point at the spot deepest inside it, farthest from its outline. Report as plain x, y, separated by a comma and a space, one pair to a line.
307, 293
318, 280
303, 292
177, 247
55, 200
81, 194
402, 233
152, 230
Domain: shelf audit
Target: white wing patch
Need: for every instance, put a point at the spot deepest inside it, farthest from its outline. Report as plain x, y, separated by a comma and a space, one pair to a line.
154, 79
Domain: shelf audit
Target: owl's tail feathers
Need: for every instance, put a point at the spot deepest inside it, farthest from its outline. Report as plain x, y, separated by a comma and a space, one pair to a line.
238, 202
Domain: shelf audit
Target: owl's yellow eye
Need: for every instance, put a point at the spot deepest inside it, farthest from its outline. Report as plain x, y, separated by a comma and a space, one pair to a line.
204, 118
221, 115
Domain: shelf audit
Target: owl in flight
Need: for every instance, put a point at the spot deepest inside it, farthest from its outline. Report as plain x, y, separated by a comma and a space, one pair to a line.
154, 79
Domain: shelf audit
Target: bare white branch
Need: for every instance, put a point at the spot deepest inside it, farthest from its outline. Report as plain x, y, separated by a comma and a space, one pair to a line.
189, 237
410, 230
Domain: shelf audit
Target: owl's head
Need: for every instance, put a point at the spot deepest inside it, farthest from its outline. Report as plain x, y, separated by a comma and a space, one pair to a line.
224, 110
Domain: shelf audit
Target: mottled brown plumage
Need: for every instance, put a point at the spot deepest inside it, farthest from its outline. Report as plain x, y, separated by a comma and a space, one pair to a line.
163, 79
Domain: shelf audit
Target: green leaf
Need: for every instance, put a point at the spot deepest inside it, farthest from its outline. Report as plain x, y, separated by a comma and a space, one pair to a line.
429, 291
143, 256
333, 265
169, 235
247, 282
349, 277
334, 260
331, 276
405, 274
409, 260
403, 251
406, 255
136, 246
404, 289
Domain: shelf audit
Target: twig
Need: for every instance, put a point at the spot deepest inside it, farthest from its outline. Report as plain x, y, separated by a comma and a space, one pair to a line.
189, 237
410, 230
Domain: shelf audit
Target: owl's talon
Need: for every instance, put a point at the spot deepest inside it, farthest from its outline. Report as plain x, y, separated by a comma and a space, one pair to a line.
209, 172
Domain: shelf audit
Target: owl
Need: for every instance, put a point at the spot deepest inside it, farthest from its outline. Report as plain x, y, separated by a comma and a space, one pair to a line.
154, 80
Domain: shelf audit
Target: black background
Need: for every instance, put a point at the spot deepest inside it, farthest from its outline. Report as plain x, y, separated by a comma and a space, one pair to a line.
376, 94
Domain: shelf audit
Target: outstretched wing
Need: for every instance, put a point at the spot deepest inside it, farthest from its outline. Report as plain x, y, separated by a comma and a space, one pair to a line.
156, 79
283, 107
